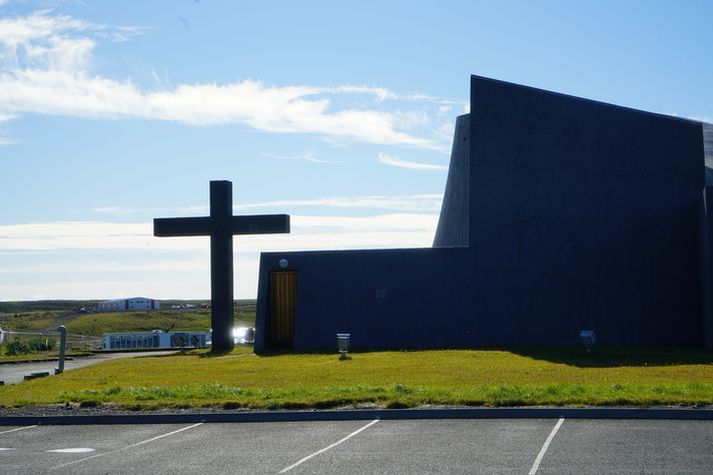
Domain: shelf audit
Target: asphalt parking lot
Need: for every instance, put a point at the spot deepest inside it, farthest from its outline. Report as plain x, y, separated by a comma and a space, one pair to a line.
378, 446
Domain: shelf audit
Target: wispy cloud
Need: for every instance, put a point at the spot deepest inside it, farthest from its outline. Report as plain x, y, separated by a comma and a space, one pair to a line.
290, 109
121, 210
308, 232
416, 203
4, 139
136, 264
61, 258
45, 68
395, 161
306, 156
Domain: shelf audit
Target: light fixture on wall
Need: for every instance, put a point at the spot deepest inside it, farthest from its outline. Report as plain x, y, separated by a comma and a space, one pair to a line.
343, 340
588, 339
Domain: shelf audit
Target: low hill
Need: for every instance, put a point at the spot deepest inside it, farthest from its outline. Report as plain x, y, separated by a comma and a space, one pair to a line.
80, 318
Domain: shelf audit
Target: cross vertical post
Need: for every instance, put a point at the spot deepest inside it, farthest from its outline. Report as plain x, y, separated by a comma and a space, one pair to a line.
221, 265
221, 225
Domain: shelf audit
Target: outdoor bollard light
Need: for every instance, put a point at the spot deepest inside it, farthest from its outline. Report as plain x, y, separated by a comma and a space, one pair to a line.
62, 342
343, 344
588, 339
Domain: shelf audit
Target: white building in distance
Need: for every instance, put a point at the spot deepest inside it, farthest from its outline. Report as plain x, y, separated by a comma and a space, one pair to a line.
155, 339
124, 305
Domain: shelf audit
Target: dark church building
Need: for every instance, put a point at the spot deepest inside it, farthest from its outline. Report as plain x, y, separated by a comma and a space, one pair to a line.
560, 214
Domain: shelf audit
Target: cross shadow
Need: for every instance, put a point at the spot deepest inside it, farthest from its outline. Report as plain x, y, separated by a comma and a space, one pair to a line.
215, 353
203, 352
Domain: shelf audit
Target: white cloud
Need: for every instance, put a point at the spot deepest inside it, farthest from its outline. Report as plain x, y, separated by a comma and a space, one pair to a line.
63, 266
380, 92
40, 24
59, 259
308, 232
417, 203
306, 156
380, 223
45, 68
420, 203
120, 210
397, 162
4, 140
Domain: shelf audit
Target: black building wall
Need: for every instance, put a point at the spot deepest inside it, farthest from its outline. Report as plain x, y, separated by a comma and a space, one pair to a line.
584, 215
579, 215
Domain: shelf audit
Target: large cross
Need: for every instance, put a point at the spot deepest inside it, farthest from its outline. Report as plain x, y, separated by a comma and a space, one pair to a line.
221, 225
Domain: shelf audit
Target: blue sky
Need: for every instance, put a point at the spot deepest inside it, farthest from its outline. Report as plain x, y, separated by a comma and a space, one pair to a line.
113, 113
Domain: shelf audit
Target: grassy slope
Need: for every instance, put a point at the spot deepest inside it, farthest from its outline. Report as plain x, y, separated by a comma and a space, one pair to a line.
46, 316
98, 323
28, 321
392, 379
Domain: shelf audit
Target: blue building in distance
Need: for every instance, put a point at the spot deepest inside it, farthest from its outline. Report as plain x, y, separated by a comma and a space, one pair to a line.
560, 214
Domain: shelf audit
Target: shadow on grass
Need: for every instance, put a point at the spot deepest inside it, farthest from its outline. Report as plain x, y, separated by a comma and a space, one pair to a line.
290, 351
201, 353
213, 353
613, 356
601, 356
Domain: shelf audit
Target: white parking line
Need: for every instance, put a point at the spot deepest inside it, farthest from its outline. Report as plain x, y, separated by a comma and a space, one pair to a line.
19, 428
545, 446
73, 450
127, 447
287, 469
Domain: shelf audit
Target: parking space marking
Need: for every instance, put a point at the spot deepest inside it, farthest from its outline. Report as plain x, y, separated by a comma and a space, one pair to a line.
127, 447
3, 448
545, 446
19, 428
73, 450
287, 469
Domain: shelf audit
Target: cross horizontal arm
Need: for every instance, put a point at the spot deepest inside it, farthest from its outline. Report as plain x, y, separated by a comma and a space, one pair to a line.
260, 224
166, 227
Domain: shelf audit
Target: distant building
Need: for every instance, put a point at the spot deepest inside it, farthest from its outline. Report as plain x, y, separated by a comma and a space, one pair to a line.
155, 339
122, 305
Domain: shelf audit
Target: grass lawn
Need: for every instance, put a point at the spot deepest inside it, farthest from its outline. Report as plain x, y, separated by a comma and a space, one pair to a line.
102, 322
47, 315
28, 321
564, 376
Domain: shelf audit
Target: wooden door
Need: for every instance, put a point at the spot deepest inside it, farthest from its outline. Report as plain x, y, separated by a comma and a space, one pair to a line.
283, 291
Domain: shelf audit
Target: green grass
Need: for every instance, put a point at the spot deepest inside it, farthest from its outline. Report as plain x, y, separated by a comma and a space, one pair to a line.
98, 323
47, 315
28, 321
615, 376
185, 320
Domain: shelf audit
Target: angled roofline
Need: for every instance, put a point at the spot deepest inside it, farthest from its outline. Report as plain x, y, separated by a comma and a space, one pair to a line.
569, 96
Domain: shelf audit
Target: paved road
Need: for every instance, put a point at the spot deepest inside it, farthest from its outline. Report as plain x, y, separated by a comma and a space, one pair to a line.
421, 446
14, 373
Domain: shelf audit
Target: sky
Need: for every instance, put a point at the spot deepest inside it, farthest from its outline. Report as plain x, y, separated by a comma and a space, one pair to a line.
340, 114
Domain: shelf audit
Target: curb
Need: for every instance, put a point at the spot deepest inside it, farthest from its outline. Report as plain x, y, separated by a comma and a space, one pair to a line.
369, 414
38, 360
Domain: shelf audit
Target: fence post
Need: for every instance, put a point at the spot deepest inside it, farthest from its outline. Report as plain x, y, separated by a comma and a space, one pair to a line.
62, 342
